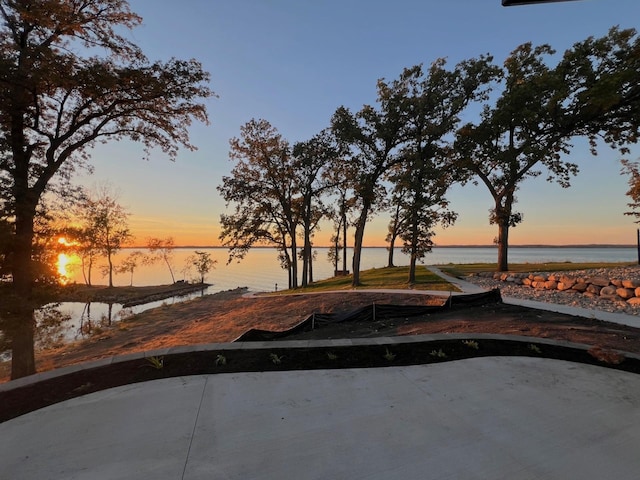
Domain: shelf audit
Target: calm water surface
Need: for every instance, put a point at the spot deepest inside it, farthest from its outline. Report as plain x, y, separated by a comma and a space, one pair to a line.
260, 270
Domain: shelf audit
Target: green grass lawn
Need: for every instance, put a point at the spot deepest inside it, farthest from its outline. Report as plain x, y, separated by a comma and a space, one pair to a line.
462, 270
397, 277
387, 277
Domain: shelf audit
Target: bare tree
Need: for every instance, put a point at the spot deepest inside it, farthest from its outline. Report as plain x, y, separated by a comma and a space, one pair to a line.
104, 223
161, 249
131, 263
202, 262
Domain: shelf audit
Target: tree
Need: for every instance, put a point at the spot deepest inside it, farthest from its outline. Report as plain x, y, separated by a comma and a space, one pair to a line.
311, 162
86, 248
414, 113
434, 102
202, 262
104, 223
17, 313
371, 137
633, 170
130, 263
69, 79
341, 204
516, 134
265, 197
161, 249
592, 92
396, 224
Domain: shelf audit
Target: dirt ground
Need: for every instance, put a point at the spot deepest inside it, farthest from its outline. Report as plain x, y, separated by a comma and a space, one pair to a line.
224, 316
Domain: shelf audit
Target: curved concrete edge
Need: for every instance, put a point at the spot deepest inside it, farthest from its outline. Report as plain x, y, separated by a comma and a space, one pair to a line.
31, 393
481, 418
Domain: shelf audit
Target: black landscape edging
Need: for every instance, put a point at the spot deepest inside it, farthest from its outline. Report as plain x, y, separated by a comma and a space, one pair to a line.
21, 397
371, 313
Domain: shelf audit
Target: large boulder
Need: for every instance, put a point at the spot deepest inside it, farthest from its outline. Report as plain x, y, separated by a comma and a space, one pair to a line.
608, 292
594, 289
580, 286
625, 293
567, 281
630, 283
598, 281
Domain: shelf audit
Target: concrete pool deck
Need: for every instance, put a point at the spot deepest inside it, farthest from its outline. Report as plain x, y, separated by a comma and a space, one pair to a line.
477, 418
492, 417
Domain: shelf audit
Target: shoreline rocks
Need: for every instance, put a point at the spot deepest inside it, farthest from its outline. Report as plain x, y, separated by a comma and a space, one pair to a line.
614, 290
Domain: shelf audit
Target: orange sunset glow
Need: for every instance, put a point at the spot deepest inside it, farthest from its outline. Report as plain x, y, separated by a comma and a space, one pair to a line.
63, 263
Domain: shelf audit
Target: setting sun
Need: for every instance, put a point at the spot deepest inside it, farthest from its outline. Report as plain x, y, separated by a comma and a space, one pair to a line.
63, 262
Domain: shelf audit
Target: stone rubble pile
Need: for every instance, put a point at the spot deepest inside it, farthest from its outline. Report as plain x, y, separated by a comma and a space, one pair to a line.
617, 287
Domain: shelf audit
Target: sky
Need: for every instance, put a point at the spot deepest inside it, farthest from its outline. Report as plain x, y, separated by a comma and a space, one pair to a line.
294, 62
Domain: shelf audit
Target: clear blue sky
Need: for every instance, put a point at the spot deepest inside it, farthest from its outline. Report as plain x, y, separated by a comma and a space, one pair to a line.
293, 62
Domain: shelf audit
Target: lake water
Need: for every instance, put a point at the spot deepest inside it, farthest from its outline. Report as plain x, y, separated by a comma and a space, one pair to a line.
260, 271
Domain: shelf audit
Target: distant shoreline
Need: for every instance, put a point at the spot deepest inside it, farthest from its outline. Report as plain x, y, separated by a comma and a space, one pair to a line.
594, 245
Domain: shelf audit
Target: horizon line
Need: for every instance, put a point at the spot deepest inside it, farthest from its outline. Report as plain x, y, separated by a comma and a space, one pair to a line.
524, 245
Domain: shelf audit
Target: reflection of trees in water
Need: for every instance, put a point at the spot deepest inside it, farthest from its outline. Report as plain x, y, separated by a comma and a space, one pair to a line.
89, 326
25, 329
5, 346
50, 328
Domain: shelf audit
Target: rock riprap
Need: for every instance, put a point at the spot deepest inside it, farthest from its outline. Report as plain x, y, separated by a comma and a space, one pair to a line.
610, 289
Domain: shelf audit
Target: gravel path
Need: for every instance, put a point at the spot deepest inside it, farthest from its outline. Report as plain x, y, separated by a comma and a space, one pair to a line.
569, 297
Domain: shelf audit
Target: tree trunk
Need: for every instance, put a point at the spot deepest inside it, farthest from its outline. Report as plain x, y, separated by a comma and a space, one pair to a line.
285, 254
21, 332
173, 279
414, 243
391, 251
110, 262
412, 269
393, 234
357, 245
23, 355
294, 262
503, 246
344, 242
84, 272
306, 257
336, 247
